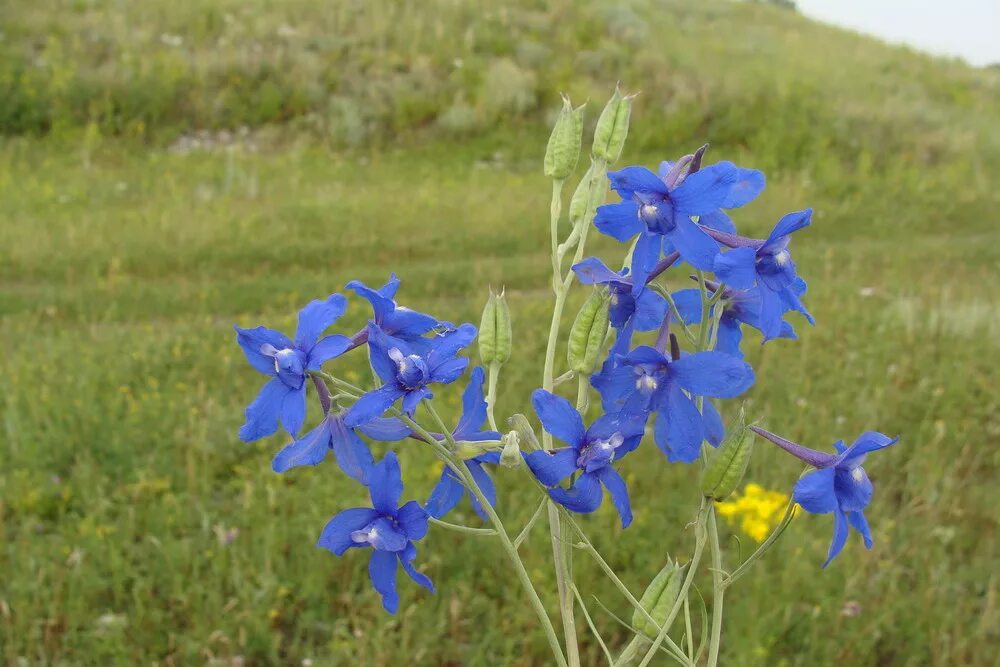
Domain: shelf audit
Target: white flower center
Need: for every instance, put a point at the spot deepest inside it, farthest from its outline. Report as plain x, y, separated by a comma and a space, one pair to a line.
857, 475
647, 211
781, 258
364, 536
646, 383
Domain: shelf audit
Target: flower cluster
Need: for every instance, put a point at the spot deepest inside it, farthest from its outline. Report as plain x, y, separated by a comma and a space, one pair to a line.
757, 510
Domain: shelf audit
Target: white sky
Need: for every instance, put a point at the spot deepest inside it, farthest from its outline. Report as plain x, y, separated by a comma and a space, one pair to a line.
966, 28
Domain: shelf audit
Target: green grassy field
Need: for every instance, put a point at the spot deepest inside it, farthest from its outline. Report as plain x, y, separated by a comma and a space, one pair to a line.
137, 529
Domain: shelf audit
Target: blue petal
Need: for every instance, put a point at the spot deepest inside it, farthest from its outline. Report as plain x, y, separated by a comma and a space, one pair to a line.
293, 411
749, 184
316, 318
815, 492
408, 323
644, 257
736, 267
788, 224
336, 536
447, 345
705, 190
372, 405
688, 302
615, 485
326, 349
679, 428
473, 405
386, 535
869, 441
791, 301
381, 300
251, 340
583, 497
558, 417
839, 536
619, 221
712, 374
382, 572
263, 413
385, 484
715, 430
386, 429
718, 221
486, 485
413, 520
728, 337
615, 385
445, 495
406, 558
853, 488
694, 245
379, 345
650, 309
352, 454
629, 180
553, 467
411, 399
593, 271
449, 371
858, 521
309, 450
771, 311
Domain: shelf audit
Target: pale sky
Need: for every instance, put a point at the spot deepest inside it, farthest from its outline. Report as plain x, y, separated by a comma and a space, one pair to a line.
966, 28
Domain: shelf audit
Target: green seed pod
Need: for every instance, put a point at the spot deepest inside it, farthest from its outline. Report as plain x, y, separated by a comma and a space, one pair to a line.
579, 203
659, 598
563, 149
590, 328
495, 331
612, 127
510, 456
728, 464
526, 434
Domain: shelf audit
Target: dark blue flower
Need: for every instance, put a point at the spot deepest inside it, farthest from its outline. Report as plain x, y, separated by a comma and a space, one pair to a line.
838, 485
645, 381
767, 264
628, 300
390, 530
287, 363
394, 320
738, 307
591, 452
407, 372
449, 490
351, 453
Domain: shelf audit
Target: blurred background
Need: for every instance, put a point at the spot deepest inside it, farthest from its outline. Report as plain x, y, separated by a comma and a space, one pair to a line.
168, 169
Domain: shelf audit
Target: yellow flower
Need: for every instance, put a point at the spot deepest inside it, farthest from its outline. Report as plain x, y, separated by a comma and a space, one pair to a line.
756, 510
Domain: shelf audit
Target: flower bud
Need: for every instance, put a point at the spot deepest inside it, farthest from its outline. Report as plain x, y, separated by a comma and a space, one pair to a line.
579, 203
659, 598
510, 456
495, 333
525, 433
726, 467
563, 149
590, 328
467, 449
612, 127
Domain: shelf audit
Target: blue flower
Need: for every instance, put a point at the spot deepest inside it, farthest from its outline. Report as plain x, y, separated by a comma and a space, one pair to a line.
388, 529
628, 300
738, 307
351, 453
449, 490
591, 453
394, 320
838, 485
767, 264
646, 381
287, 363
407, 371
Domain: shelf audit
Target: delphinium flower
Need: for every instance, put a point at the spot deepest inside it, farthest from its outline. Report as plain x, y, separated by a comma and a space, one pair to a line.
838, 485
407, 370
629, 302
739, 307
646, 380
390, 530
287, 362
394, 320
767, 264
349, 450
449, 490
591, 453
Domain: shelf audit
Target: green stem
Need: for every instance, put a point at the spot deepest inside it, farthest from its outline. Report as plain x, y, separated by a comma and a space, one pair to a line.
762, 549
491, 393
463, 474
717, 587
523, 535
659, 289
462, 529
582, 393
555, 212
590, 624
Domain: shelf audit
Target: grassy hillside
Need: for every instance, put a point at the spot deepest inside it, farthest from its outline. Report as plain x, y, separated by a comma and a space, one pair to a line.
138, 223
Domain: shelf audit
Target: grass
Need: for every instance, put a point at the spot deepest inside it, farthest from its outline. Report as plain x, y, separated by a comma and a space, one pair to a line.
136, 529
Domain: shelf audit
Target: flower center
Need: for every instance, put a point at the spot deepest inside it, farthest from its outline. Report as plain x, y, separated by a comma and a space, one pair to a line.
646, 383
599, 453
857, 475
288, 365
366, 536
411, 370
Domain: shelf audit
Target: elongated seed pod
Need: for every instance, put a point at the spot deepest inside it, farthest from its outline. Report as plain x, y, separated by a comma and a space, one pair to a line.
504, 329
488, 331
728, 464
563, 149
528, 439
659, 597
586, 337
612, 127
